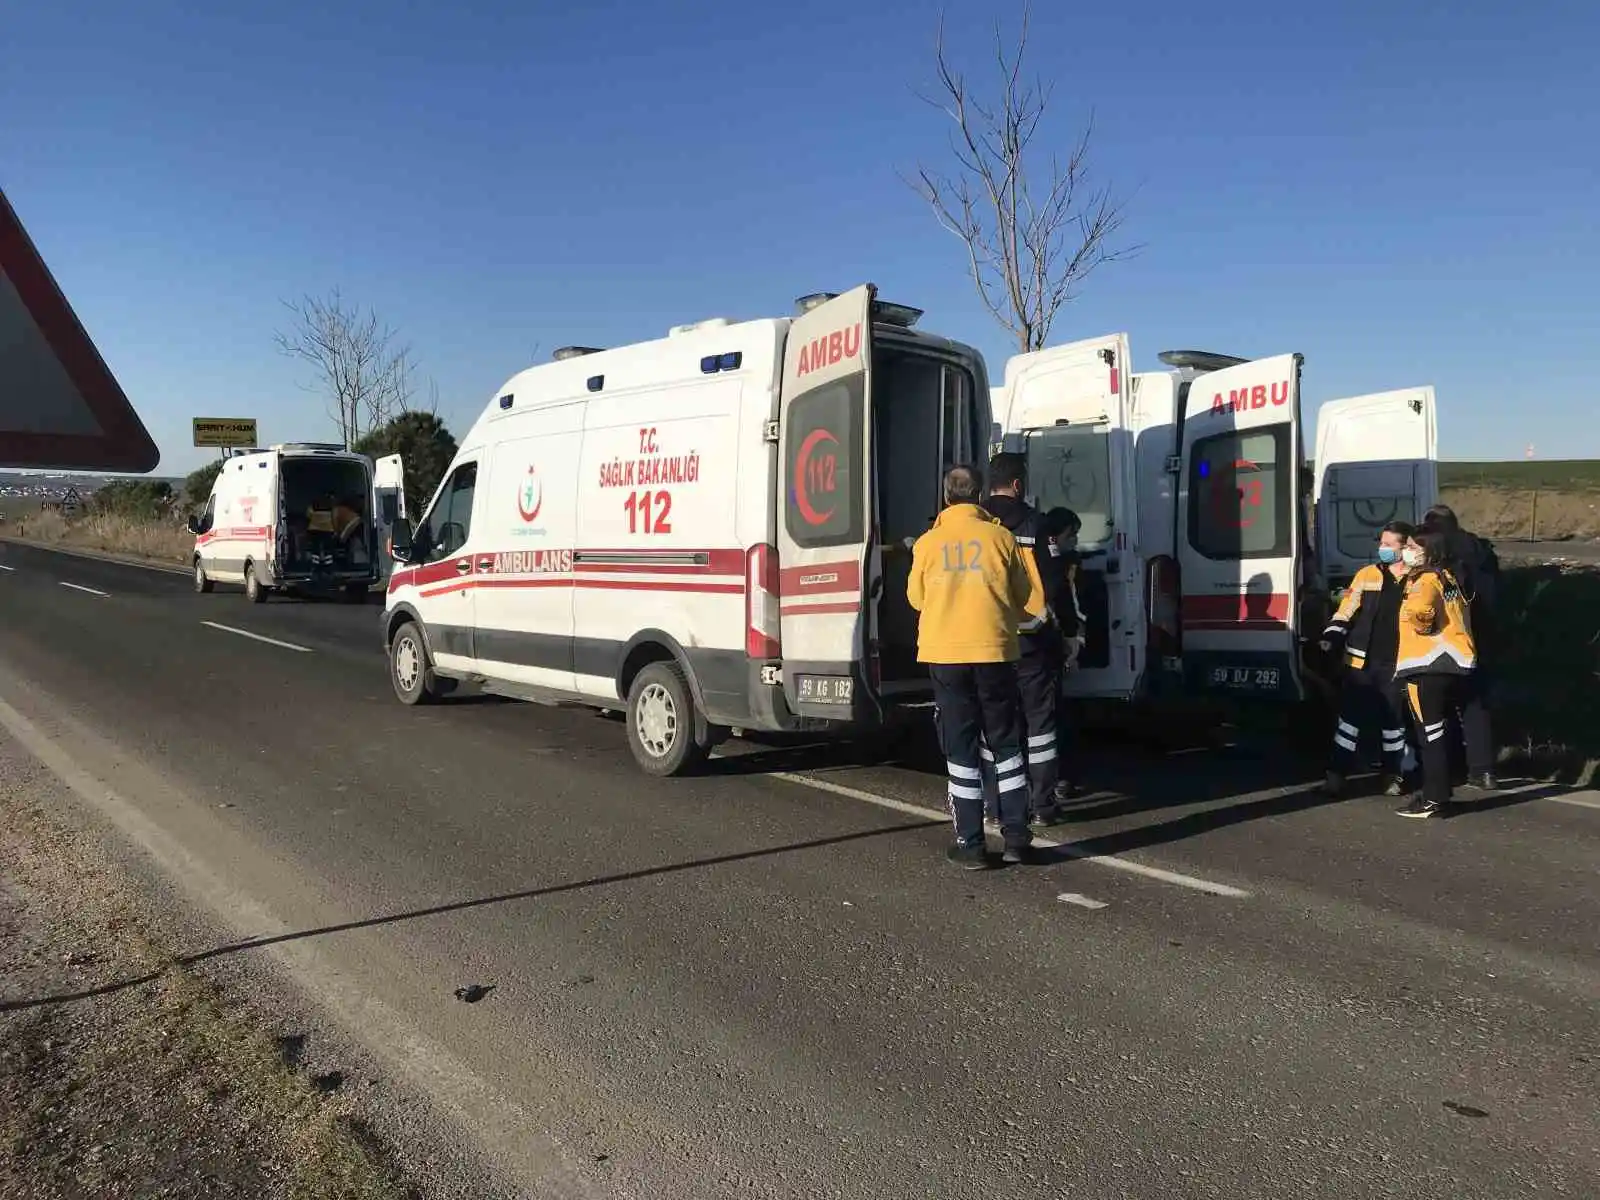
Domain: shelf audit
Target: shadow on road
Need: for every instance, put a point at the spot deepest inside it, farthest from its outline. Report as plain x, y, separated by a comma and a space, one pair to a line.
462, 905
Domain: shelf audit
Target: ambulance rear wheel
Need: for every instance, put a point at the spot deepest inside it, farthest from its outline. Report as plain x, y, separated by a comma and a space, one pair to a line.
202, 581
661, 721
410, 669
253, 591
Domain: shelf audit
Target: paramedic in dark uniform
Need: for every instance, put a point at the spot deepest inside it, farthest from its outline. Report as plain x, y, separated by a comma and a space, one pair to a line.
1040, 666
1061, 526
972, 586
1366, 630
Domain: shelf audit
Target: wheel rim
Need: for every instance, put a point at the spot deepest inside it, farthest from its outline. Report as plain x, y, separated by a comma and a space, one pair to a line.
199, 575
250, 583
655, 720
407, 664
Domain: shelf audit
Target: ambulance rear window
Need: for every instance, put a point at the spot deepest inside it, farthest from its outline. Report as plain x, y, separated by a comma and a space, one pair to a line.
1239, 494
822, 450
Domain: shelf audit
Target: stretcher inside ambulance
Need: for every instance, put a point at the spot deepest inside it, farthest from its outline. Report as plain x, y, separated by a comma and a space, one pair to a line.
1199, 571
710, 531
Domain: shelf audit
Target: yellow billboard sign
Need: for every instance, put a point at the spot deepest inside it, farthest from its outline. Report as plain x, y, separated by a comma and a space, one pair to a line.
224, 431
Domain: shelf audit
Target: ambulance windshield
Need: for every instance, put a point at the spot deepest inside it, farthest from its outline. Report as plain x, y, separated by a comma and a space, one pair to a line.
1070, 467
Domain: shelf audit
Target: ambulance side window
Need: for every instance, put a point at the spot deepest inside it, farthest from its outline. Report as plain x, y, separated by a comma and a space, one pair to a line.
450, 523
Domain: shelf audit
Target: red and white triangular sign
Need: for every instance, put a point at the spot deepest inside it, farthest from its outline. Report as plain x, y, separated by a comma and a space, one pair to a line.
60, 406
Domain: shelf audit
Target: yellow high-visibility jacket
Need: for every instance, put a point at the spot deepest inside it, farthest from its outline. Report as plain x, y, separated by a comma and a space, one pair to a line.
1435, 627
974, 587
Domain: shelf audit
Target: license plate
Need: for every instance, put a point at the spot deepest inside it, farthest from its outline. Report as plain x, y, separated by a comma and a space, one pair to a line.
1245, 679
825, 689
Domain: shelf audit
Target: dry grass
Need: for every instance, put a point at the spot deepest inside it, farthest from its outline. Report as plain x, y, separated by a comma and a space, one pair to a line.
110, 533
1507, 513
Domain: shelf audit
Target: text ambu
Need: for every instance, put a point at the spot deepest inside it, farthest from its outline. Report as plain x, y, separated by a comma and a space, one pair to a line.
1246, 398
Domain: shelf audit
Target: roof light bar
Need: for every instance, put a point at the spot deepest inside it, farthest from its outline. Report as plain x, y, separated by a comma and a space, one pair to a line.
1199, 360
814, 300
566, 352
902, 316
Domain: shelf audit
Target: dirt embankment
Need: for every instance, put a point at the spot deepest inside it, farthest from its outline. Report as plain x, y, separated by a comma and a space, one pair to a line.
125, 1075
1534, 515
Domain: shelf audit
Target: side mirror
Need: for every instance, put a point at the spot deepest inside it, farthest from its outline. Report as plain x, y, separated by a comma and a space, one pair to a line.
194, 524
400, 540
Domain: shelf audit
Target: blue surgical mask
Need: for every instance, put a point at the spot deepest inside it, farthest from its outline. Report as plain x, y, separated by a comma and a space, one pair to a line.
1388, 555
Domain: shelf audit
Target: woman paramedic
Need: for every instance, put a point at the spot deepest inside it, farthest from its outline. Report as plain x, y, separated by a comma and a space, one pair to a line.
1436, 656
1366, 630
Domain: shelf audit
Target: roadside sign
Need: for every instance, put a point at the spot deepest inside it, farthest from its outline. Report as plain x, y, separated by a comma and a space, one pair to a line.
71, 502
60, 406
224, 431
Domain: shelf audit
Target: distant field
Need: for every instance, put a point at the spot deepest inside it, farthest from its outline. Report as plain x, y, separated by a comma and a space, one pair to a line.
1577, 474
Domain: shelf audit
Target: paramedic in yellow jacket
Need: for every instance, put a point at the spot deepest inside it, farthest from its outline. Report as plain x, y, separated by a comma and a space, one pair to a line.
1436, 656
973, 586
1366, 631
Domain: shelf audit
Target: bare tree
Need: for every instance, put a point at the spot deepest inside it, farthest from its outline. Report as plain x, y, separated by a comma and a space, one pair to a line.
365, 375
1030, 243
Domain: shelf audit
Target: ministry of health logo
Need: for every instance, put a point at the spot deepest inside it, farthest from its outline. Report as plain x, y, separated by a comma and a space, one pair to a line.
531, 497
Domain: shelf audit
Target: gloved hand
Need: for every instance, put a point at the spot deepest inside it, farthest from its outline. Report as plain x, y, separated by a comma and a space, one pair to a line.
1071, 647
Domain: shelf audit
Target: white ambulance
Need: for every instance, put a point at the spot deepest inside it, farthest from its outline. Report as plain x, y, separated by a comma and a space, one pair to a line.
711, 530
1199, 575
263, 525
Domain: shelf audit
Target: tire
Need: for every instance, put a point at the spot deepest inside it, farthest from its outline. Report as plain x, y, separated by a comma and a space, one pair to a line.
410, 669
253, 589
661, 721
202, 582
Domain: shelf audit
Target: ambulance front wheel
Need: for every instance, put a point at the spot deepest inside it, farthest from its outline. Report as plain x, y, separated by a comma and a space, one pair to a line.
661, 721
253, 589
410, 670
202, 581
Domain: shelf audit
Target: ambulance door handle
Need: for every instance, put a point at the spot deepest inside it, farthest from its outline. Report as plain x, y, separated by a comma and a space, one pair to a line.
463, 565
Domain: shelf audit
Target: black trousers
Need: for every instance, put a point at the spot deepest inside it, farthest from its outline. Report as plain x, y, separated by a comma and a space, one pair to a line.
1472, 698
1431, 699
1039, 691
1371, 703
977, 705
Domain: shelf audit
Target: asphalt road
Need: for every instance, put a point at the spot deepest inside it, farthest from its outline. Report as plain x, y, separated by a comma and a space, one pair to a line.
765, 981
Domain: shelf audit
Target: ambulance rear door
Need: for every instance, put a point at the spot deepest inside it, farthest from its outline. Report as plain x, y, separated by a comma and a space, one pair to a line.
1376, 462
388, 507
1241, 530
1069, 409
826, 510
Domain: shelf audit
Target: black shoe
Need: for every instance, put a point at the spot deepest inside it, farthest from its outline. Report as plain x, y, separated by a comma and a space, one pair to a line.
1483, 781
1017, 856
1420, 809
1067, 791
970, 858
1394, 785
1046, 817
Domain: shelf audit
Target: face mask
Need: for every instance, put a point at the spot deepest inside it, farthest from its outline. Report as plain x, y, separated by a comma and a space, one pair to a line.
1412, 558
1388, 554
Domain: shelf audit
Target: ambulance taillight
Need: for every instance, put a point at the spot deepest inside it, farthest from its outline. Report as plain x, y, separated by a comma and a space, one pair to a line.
761, 602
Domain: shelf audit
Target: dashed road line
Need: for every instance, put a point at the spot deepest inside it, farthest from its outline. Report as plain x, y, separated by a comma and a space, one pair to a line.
1079, 899
1177, 878
259, 637
78, 587
1578, 801
3, 567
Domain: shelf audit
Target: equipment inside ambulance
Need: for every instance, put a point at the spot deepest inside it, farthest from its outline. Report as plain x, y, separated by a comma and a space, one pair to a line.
293, 516
1198, 573
708, 530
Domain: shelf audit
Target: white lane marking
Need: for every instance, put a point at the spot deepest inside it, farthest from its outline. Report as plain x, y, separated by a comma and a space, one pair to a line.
257, 637
1580, 801
1104, 860
78, 587
3, 567
1080, 900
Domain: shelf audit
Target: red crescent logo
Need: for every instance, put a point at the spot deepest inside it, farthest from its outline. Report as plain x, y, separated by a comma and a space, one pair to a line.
530, 499
802, 460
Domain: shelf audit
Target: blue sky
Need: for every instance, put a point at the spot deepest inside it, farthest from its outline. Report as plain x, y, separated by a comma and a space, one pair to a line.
1402, 192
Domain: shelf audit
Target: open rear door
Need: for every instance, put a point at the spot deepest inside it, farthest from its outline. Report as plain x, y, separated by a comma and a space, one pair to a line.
1376, 462
1069, 408
389, 506
825, 522
1241, 530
